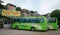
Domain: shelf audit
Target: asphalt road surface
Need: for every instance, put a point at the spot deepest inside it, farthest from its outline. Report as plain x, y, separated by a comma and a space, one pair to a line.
7, 31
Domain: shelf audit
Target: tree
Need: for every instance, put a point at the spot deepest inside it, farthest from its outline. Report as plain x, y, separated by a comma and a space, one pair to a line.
2, 6
1, 1
18, 9
56, 13
32, 12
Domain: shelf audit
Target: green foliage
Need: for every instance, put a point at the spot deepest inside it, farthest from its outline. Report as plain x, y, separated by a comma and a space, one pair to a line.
18, 9
56, 13
2, 6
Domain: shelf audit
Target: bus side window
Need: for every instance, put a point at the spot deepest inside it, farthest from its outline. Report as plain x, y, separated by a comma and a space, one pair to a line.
37, 20
29, 20
24, 20
21, 20
42, 20
52, 20
34, 20
16, 20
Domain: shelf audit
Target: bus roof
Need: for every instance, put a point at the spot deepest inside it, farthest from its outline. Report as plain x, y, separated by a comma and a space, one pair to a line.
31, 17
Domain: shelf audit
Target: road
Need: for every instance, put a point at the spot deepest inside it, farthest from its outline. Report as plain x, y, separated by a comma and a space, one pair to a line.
7, 31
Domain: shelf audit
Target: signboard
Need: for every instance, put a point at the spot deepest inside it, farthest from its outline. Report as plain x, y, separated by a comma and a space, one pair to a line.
10, 13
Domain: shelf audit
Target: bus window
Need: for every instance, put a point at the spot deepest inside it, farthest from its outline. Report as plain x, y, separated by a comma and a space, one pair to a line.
31, 20
24, 20
21, 20
34, 20
52, 20
16, 20
39, 20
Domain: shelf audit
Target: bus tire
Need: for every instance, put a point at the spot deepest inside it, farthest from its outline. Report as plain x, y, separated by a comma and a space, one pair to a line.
17, 27
32, 29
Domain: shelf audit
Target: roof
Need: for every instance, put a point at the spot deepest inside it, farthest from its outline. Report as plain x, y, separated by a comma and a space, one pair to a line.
11, 4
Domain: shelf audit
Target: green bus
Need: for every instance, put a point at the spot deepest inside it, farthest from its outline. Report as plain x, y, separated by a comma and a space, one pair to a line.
31, 23
52, 23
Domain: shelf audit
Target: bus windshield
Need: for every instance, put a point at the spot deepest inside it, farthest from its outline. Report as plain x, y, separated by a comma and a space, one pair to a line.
52, 20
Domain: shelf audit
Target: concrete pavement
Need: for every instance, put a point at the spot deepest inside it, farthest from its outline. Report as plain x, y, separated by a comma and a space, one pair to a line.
7, 31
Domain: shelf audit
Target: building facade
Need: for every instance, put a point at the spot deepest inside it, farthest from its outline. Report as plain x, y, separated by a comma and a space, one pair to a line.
6, 21
25, 13
10, 7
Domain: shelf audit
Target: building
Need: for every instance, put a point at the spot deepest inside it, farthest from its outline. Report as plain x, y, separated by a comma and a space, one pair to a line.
34, 13
10, 7
6, 21
25, 12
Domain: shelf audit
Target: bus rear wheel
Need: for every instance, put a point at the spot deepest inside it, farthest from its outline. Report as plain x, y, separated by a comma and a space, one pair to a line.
17, 27
32, 29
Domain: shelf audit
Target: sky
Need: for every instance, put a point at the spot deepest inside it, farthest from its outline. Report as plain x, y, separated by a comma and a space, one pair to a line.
42, 6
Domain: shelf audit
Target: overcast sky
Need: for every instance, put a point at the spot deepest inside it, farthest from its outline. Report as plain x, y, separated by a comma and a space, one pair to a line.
42, 6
